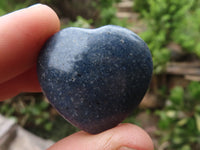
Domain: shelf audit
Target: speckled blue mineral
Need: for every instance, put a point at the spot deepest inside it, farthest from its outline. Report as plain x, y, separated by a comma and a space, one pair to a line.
95, 77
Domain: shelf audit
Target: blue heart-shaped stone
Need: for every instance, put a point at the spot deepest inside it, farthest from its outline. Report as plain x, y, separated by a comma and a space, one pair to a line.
95, 77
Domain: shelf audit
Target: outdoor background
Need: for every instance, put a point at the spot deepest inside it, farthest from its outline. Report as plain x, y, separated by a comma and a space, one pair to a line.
170, 111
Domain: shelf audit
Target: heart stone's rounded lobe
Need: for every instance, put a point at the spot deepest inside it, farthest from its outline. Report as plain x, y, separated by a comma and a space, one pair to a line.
95, 77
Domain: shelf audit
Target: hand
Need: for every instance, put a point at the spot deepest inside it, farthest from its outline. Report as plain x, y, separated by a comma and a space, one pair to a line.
22, 34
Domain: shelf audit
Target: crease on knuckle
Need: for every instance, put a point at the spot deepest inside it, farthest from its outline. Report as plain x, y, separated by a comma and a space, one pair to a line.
107, 144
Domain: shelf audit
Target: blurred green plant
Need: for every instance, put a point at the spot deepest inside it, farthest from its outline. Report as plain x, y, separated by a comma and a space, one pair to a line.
60, 129
132, 117
35, 114
163, 18
7, 6
81, 22
140, 6
107, 13
195, 5
187, 35
180, 119
28, 110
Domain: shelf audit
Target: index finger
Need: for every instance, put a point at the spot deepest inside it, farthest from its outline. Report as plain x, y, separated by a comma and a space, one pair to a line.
22, 35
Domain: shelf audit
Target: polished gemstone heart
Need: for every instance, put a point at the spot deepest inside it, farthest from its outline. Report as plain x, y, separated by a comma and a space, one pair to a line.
95, 77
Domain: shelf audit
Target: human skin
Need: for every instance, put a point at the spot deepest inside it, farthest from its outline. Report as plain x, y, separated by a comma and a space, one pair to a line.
23, 34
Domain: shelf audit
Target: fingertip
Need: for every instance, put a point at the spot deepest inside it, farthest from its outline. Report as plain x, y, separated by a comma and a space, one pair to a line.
23, 33
48, 11
133, 136
124, 136
35, 12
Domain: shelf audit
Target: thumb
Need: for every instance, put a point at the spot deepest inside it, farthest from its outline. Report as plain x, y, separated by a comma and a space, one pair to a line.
123, 137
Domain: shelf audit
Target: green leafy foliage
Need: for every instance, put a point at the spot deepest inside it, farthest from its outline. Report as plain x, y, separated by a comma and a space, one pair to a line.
180, 120
187, 35
107, 13
166, 15
166, 22
7, 6
35, 114
30, 111
160, 54
81, 22
60, 129
140, 6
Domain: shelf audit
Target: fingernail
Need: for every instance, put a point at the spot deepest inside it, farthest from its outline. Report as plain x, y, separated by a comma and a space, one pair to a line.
35, 5
126, 148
